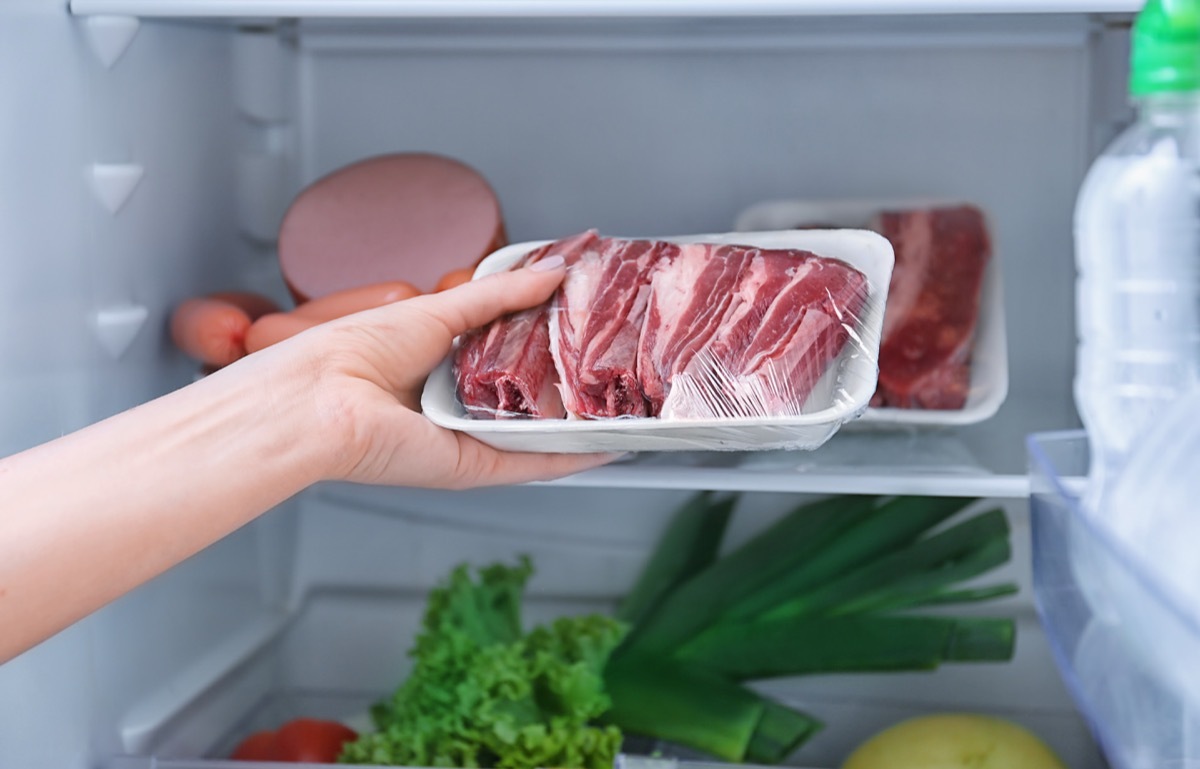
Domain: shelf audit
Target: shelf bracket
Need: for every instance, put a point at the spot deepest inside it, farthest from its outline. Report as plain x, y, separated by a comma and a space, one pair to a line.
110, 36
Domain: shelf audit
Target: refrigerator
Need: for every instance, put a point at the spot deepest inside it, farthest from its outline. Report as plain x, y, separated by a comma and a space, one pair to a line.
150, 148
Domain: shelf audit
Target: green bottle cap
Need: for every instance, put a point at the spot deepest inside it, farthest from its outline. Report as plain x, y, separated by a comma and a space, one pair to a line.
1166, 47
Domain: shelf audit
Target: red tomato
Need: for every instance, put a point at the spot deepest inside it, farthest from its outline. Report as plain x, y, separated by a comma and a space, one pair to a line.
312, 741
259, 746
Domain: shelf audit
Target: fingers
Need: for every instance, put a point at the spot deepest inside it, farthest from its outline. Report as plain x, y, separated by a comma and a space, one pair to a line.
406, 449
479, 302
486, 466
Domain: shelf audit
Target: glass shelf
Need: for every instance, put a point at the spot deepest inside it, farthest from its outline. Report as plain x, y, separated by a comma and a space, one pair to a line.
984, 460
446, 9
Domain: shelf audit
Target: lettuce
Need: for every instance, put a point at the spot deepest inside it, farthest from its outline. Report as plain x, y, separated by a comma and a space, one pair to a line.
484, 694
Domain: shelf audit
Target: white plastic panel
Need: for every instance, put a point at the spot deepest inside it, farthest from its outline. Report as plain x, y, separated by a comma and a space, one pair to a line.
43, 323
114, 203
117, 179
233, 9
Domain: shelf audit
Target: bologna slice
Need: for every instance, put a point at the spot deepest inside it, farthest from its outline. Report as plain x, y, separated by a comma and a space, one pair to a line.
409, 216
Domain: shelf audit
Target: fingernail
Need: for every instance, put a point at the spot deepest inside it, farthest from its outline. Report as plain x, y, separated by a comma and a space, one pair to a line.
546, 265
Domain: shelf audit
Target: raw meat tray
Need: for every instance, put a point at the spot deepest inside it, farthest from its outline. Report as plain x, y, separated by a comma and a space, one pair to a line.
840, 395
989, 361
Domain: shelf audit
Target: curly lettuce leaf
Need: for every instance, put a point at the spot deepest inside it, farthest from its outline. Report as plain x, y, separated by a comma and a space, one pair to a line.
482, 694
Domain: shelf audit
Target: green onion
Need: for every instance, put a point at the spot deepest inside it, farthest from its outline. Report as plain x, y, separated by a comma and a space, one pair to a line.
718, 590
881, 531
779, 732
688, 546
818, 592
692, 707
774, 648
904, 578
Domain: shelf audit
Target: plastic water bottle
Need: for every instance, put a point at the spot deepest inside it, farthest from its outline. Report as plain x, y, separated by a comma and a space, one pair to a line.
1137, 236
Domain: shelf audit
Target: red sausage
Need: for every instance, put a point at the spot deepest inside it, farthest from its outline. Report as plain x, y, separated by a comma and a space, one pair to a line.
274, 328
455, 278
213, 329
210, 330
255, 305
352, 300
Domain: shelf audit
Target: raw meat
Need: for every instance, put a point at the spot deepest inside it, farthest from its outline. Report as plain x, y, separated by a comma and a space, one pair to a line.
736, 332
932, 308
504, 370
646, 328
595, 323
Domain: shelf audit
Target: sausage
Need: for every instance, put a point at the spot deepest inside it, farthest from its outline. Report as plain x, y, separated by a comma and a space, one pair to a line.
212, 329
274, 328
254, 305
352, 300
455, 278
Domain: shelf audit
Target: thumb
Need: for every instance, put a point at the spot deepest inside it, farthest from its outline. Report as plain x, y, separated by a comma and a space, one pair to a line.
478, 302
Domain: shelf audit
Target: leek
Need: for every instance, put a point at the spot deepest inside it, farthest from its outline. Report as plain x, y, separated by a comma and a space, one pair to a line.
688, 546
690, 706
826, 589
773, 648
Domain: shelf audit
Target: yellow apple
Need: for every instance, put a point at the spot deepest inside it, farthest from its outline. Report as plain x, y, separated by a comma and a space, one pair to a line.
954, 741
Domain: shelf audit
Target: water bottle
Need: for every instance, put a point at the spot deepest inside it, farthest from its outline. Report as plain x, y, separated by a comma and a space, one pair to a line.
1137, 237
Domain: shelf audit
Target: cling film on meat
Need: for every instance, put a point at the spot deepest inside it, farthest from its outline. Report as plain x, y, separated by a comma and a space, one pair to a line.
943, 357
716, 333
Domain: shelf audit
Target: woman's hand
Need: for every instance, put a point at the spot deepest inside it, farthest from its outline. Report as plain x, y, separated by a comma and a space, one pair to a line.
369, 369
88, 516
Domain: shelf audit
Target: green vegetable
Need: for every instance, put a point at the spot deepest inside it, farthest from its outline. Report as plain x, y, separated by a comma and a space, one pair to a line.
687, 547
790, 647
686, 704
876, 534
908, 576
831, 587
717, 590
681, 704
779, 732
818, 592
482, 694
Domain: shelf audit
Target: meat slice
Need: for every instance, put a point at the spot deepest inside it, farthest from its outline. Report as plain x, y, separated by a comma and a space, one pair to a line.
689, 299
933, 306
738, 332
504, 370
595, 322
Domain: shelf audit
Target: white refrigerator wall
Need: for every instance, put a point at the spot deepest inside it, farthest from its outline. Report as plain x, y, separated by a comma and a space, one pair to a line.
145, 162
115, 202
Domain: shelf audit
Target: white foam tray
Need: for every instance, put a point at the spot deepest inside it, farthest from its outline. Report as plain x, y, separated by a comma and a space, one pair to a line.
989, 361
841, 395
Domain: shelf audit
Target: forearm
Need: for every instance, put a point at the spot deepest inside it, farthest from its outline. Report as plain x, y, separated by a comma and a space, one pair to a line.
88, 517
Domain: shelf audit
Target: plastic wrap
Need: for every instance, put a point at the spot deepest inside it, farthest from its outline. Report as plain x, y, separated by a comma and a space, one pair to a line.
982, 376
716, 342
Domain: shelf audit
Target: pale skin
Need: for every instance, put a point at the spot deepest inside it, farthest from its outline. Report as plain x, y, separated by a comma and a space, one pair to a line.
88, 517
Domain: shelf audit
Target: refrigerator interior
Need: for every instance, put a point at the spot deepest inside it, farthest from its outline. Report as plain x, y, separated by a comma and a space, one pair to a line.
152, 146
